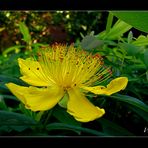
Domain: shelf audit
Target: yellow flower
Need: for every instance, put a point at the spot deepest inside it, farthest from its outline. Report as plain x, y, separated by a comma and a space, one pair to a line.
61, 70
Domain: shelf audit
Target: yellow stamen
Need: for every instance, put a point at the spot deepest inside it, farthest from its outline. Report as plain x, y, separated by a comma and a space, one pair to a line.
69, 67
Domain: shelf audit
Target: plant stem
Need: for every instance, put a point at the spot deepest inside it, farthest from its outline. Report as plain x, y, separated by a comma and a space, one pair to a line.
48, 116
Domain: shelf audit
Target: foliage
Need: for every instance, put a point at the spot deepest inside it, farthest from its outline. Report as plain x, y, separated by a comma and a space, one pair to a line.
127, 55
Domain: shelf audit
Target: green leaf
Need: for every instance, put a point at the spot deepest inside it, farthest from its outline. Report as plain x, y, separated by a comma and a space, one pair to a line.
25, 31
109, 22
115, 32
7, 79
3, 105
62, 126
40, 45
15, 121
9, 97
5, 129
130, 100
3, 88
130, 49
90, 42
113, 129
13, 48
137, 67
130, 37
64, 100
147, 75
64, 117
137, 19
141, 41
11, 118
140, 112
146, 57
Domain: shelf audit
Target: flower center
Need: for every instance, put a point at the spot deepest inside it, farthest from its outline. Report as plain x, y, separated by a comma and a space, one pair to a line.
69, 67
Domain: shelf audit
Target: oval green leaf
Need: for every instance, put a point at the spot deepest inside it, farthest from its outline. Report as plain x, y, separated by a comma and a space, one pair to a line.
13, 119
137, 19
131, 100
25, 31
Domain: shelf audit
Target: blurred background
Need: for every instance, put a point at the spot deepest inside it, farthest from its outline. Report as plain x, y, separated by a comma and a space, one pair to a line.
49, 27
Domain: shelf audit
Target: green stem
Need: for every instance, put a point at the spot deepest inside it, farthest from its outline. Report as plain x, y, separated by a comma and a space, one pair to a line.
38, 116
142, 74
103, 102
48, 116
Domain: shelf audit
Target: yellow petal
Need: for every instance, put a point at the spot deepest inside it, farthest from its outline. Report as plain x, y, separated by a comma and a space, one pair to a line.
37, 99
114, 86
32, 73
81, 108
18, 91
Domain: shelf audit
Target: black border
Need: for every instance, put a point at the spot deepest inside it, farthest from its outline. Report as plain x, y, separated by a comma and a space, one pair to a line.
74, 141
73, 5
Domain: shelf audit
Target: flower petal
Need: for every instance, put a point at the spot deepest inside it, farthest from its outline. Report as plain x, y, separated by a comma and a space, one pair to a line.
81, 108
32, 73
37, 99
114, 86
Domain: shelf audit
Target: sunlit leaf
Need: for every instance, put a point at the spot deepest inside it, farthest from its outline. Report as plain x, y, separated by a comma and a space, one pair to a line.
137, 19
15, 49
115, 32
130, 37
141, 41
25, 31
